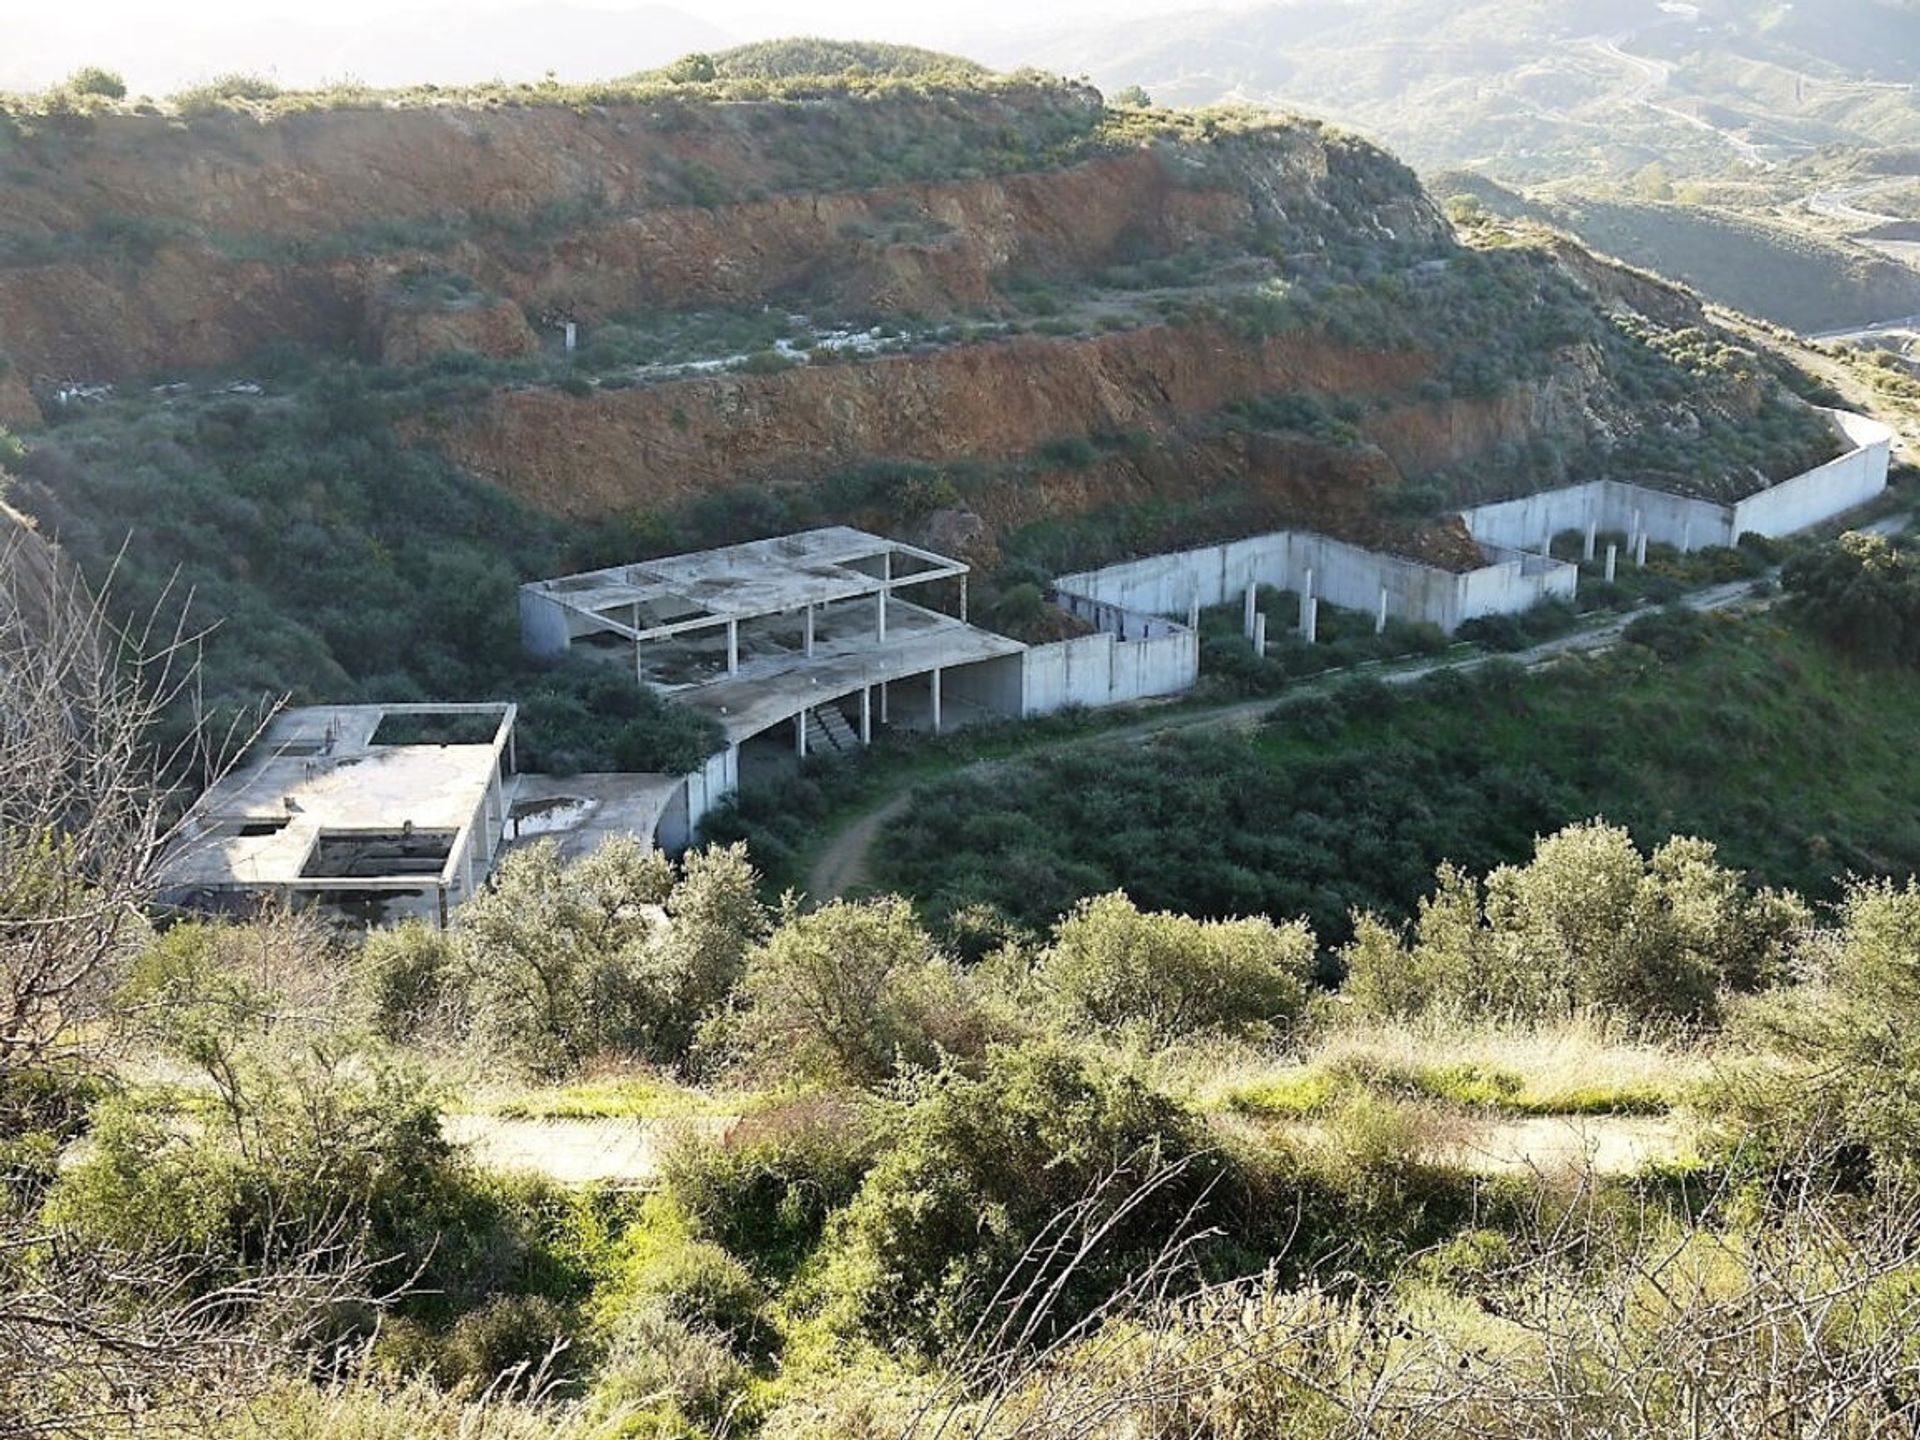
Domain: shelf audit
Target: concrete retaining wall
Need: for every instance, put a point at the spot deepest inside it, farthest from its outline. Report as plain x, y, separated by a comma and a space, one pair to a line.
997, 685
1819, 495
1809, 499
1342, 574
1096, 670
1605, 505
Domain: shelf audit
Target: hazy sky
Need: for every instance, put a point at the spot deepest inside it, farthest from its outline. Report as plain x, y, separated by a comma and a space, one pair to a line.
162, 44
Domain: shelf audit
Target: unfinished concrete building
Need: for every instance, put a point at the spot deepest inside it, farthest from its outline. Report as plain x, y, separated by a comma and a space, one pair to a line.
828, 633
812, 641
390, 809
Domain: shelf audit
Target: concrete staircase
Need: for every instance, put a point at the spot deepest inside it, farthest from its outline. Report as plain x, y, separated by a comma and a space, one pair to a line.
827, 729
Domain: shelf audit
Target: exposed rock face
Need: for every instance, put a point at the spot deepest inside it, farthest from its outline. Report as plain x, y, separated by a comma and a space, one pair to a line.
197, 246
658, 445
18, 409
493, 327
147, 246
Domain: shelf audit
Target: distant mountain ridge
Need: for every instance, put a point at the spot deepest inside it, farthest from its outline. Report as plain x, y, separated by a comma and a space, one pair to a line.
163, 53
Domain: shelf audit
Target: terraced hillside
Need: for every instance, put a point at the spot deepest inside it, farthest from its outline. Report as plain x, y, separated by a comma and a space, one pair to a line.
313, 348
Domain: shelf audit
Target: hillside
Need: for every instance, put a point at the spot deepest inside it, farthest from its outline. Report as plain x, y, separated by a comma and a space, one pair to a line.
1612, 112
1535, 89
989, 313
1745, 256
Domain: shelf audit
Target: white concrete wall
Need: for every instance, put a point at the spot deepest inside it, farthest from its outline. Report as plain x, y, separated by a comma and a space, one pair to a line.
1806, 500
1832, 489
1529, 522
1343, 574
1096, 670
544, 625
701, 792
1515, 583
996, 685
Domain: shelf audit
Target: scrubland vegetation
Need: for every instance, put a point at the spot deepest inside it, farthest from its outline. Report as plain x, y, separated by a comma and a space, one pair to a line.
1607, 1134
324, 558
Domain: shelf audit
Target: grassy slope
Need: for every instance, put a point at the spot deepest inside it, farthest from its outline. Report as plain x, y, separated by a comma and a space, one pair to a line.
1801, 766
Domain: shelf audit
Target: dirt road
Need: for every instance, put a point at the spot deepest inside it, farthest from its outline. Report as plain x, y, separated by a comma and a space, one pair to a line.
846, 864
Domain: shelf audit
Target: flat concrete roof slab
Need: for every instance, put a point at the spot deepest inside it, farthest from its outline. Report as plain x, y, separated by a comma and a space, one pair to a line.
760, 577
317, 769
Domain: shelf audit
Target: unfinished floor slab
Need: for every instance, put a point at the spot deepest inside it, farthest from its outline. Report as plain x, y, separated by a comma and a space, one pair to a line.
392, 806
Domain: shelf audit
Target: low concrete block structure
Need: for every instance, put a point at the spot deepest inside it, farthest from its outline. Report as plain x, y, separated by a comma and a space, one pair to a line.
394, 807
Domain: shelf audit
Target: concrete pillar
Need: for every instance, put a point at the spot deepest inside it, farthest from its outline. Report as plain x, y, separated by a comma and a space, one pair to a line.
866, 715
1309, 619
880, 616
572, 333
639, 670
1593, 536
1380, 620
963, 599
1686, 537
800, 734
1260, 635
1640, 552
885, 695
1306, 590
809, 632
1247, 609
934, 690
1613, 559
1546, 541
733, 647
1193, 612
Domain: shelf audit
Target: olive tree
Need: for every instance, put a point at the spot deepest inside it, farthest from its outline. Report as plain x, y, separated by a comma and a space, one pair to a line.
1113, 966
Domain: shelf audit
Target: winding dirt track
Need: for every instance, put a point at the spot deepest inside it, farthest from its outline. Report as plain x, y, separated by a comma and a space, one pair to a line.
845, 866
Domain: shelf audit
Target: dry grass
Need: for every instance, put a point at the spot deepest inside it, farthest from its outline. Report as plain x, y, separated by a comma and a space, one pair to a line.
1584, 1066
363, 1410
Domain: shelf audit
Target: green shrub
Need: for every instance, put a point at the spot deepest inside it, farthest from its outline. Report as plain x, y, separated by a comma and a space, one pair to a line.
981, 1169
1589, 922
765, 1191
849, 993
1675, 633
92, 80
1862, 594
556, 962
508, 1339
407, 970
1073, 452
1111, 967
